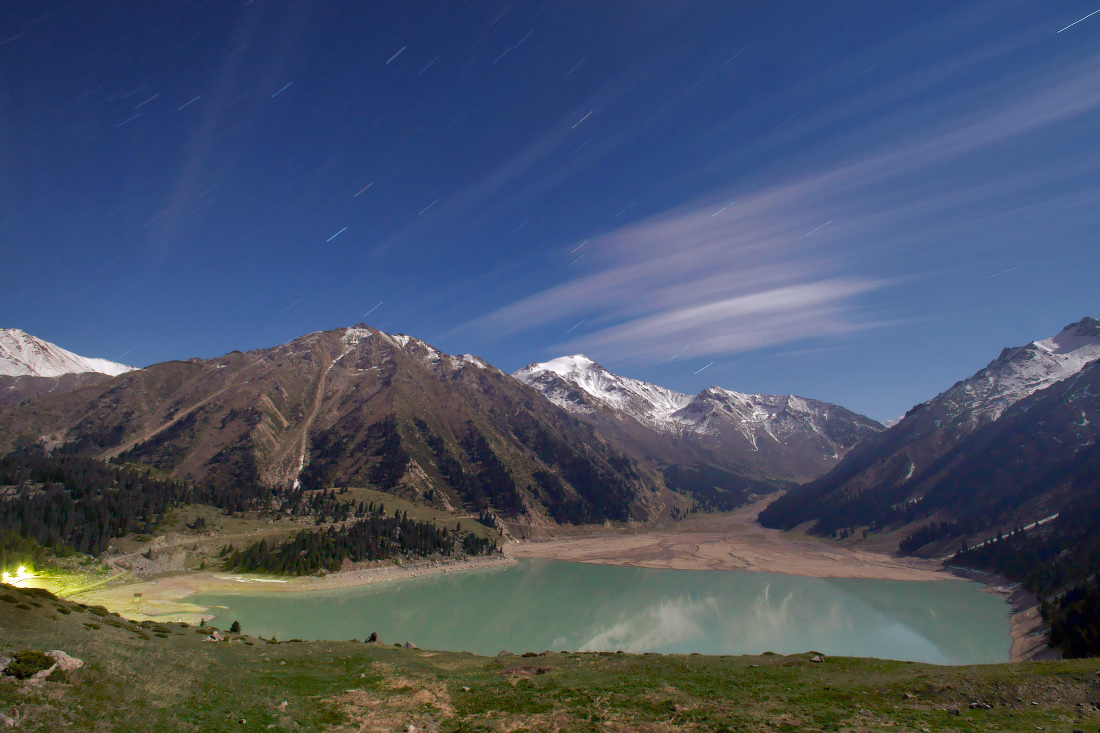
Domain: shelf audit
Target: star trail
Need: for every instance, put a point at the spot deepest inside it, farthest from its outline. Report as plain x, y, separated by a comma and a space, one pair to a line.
811, 193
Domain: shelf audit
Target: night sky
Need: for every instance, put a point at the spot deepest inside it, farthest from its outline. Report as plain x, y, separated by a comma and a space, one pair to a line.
856, 201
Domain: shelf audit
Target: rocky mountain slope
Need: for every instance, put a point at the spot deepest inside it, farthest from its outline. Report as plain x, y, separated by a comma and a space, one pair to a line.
999, 450
353, 406
31, 367
780, 437
23, 355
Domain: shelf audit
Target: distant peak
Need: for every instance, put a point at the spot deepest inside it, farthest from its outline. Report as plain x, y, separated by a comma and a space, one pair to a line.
22, 354
1087, 327
561, 365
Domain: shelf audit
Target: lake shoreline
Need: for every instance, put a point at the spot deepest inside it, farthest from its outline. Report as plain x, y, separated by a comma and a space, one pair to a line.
1030, 634
733, 541
163, 598
717, 542
736, 541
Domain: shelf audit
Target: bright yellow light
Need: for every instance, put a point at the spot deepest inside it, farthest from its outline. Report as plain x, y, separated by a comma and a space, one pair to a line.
21, 573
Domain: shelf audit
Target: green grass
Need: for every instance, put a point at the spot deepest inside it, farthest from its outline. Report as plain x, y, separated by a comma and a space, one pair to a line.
166, 677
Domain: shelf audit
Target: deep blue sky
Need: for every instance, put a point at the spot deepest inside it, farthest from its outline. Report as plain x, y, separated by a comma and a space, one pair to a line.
856, 201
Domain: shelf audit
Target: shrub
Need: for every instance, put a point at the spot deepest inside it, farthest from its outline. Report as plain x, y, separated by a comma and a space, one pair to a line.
59, 675
27, 663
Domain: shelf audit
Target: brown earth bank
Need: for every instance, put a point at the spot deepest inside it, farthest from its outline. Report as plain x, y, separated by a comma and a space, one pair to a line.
1030, 634
729, 542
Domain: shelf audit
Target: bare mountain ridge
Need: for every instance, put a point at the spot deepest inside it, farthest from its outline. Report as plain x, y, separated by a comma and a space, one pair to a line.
771, 436
353, 406
357, 406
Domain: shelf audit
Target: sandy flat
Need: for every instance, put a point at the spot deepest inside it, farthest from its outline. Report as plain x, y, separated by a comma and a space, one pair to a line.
731, 542
163, 598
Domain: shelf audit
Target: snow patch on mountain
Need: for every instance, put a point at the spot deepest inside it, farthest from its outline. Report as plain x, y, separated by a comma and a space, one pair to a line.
1020, 372
435, 359
474, 361
23, 355
645, 402
578, 384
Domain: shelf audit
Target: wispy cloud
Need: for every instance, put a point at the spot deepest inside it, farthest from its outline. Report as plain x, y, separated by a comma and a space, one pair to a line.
752, 277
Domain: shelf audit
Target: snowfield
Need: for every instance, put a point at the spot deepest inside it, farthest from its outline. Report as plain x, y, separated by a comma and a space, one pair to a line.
23, 355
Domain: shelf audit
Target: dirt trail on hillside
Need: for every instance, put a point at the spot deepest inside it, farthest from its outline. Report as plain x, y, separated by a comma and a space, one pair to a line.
731, 542
149, 434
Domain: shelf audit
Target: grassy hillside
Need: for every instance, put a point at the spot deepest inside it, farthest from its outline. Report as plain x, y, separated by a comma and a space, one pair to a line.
166, 677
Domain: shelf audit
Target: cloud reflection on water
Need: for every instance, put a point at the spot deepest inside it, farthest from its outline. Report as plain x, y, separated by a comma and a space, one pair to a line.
784, 622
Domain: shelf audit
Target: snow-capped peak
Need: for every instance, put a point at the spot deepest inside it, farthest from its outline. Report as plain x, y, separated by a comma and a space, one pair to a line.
580, 385
568, 365
23, 355
1020, 372
643, 401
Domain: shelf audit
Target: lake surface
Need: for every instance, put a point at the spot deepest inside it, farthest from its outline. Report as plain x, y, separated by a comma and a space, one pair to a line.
540, 605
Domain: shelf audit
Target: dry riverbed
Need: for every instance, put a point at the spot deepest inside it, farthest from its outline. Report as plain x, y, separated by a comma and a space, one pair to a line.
730, 542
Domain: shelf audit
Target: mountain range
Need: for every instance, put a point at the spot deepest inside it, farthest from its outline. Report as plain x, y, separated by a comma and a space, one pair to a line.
770, 436
569, 441
362, 407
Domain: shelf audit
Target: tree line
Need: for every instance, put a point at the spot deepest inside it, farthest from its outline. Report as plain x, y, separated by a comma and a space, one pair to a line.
376, 537
69, 502
1059, 562
83, 503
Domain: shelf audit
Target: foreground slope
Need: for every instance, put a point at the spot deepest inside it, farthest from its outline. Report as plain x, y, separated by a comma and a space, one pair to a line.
776, 437
351, 406
31, 367
167, 677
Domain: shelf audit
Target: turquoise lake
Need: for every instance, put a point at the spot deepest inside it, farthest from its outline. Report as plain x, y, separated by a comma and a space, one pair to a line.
540, 605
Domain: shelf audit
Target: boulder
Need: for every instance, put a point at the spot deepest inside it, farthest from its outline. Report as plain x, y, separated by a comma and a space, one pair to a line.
504, 653
817, 658
410, 645
64, 662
